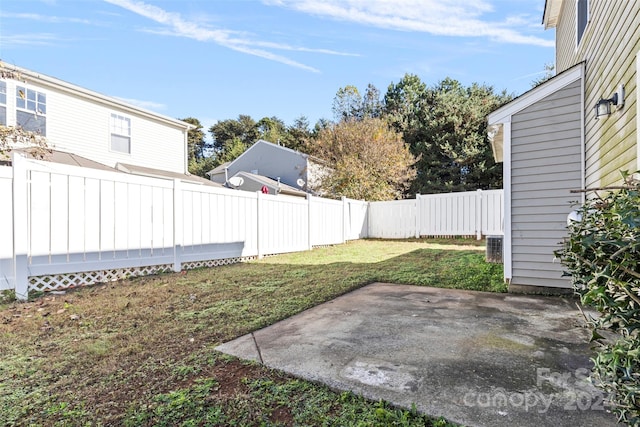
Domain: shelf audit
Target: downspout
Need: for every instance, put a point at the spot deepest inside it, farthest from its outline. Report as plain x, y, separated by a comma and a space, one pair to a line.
583, 148
637, 113
506, 168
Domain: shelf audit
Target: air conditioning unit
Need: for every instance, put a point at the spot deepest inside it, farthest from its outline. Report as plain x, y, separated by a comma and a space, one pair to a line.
494, 249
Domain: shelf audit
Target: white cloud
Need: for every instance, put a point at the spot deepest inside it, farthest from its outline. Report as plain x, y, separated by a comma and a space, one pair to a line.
177, 26
264, 44
21, 40
44, 18
455, 18
281, 46
148, 105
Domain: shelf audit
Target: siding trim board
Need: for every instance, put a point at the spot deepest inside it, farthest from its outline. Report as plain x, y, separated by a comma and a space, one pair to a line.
537, 182
506, 182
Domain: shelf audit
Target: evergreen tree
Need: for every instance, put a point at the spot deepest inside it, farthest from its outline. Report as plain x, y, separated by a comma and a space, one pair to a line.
445, 127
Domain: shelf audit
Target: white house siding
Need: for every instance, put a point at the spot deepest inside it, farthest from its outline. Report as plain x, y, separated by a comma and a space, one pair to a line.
545, 166
80, 123
609, 47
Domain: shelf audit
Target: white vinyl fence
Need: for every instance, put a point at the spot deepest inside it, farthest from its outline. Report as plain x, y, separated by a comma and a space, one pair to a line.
64, 226
471, 213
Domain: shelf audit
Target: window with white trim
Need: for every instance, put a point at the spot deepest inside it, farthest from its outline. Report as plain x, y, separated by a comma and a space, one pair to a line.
31, 110
120, 133
3, 103
582, 18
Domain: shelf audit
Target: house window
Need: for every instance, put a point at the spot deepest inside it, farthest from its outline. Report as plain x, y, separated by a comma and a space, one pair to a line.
31, 110
120, 133
3, 103
582, 9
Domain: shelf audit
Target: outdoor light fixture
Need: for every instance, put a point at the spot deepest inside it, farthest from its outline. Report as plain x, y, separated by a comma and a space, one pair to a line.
603, 107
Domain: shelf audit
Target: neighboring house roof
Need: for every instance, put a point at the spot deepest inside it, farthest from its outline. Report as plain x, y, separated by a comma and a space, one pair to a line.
497, 118
271, 144
75, 160
253, 182
63, 86
158, 173
71, 159
279, 147
218, 169
60, 157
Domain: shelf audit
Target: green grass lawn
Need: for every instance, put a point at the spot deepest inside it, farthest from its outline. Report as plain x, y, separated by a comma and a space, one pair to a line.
140, 351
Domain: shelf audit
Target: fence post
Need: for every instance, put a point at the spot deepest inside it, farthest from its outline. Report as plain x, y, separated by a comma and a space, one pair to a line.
368, 218
479, 215
20, 227
178, 228
344, 219
258, 213
417, 215
309, 218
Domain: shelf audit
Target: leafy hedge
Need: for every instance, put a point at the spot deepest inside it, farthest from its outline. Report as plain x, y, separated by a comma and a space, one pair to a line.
602, 254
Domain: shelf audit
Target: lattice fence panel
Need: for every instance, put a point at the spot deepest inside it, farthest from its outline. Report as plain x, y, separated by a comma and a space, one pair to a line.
71, 280
216, 262
322, 246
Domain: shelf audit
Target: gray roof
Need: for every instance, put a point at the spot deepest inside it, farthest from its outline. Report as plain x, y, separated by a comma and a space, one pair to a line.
219, 169
272, 183
61, 157
283, 148
159, 173
65, 158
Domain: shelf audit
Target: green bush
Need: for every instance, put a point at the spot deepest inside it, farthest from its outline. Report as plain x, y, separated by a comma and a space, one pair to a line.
602, 254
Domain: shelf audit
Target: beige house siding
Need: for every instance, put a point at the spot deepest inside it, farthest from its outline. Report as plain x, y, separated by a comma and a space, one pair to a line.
566, 37
545, 165
609, 47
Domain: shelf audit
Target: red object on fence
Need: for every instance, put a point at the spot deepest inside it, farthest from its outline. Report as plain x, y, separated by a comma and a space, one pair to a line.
265, 189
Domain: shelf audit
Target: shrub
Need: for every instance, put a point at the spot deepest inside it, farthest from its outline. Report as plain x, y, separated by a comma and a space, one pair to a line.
602, 254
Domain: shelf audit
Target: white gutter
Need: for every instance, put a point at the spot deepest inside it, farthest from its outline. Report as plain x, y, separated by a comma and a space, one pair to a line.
31, 76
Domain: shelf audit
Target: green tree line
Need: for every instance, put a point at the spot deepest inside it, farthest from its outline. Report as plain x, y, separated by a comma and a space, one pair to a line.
413, 139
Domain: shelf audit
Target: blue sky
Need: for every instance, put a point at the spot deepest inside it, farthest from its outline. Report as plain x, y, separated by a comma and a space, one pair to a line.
216, 59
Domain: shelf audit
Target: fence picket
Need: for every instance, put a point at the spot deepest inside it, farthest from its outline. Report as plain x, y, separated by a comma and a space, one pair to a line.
20, 228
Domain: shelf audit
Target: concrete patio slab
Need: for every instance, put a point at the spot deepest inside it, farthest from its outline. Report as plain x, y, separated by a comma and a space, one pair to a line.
475, 358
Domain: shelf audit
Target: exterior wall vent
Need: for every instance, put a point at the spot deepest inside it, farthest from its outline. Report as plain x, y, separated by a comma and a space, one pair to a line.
494, 249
